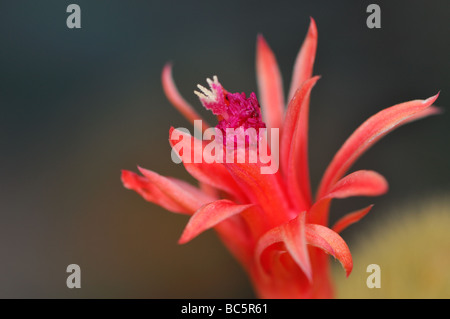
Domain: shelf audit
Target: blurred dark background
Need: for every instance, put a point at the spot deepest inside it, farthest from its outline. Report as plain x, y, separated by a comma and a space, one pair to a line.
77, 106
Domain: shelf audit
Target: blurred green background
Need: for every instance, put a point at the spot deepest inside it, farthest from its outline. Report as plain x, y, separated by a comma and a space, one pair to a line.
77, 106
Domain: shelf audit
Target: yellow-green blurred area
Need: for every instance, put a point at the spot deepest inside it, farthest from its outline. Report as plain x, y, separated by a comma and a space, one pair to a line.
78, 106
412, 248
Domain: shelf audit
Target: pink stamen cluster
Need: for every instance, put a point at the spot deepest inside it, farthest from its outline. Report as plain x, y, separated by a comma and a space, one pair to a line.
234, 110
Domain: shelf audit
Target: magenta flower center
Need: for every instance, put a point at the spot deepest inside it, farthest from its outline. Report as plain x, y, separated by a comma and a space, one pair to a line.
241, 111
233, 110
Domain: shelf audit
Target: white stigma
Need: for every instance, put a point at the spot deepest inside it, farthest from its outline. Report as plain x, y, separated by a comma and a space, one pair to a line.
208, 96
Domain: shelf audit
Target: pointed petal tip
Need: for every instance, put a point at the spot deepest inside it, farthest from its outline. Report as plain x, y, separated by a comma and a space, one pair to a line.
359, 183
167, 71
316, 78
431, 99
308, 274
348, 271
125, 177
183, 240
324, 238
261, 43
149, 174
311, 82
312, 27
304, 63
188, 235
174, 96
124, 173
168, 65
270, 84
210, 215
144, 171
350, 219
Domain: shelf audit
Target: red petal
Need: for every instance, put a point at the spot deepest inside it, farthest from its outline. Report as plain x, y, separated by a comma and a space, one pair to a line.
367, 134
273, 236
207, 170
151, 193
359, 183
294, 146
304, 63
265, 189
292, 234
177, 100
270, 85
209, 216
316, 234
318, 214
186, 196
234, 234
350, 218
292, 119
294, 238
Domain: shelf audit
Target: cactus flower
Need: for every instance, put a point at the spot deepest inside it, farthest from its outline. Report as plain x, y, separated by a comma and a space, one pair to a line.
271, 223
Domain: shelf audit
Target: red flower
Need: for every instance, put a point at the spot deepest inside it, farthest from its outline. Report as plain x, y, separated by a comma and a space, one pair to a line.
270, 222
